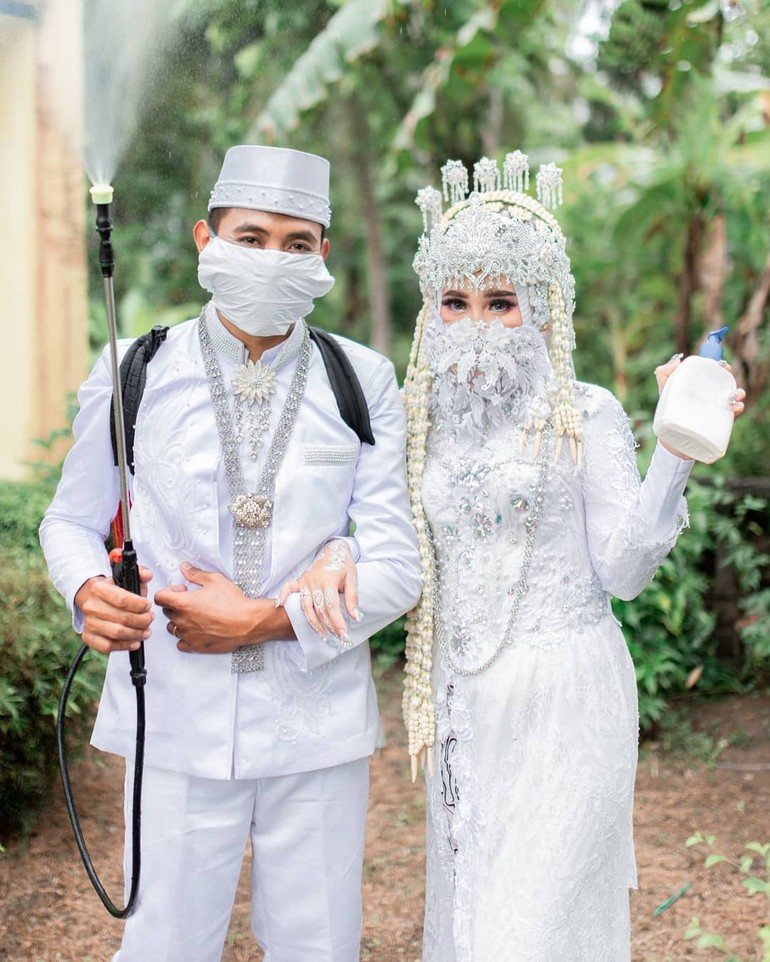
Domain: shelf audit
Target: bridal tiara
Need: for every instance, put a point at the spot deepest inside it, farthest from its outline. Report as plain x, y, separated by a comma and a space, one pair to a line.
487, 180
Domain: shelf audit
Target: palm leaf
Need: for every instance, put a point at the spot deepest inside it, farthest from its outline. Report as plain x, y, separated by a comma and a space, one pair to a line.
349, 34
437, 73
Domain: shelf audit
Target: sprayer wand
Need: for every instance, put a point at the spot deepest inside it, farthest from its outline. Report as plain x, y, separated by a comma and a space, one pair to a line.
125, 569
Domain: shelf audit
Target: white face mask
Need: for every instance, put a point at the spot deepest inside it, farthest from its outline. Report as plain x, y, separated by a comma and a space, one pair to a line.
263, 292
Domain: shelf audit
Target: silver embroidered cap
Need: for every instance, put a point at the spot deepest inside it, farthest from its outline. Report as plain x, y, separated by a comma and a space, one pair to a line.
274, 179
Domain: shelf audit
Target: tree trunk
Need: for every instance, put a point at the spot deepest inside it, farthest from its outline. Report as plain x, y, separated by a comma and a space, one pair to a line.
687, 283
752, 371
491, 129
713, 272
376, 267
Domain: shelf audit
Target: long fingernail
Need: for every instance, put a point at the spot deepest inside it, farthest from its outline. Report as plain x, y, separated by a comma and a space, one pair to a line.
675, 357
358, 614
278, 602
346, 639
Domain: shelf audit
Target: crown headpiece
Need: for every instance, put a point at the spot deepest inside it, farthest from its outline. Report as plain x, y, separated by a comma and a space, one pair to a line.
496, 230
487, 180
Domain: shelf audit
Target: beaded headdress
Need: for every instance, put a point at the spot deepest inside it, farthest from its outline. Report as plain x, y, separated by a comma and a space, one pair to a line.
495, 234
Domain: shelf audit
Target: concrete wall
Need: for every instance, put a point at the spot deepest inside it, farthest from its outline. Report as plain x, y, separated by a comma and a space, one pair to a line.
43, 323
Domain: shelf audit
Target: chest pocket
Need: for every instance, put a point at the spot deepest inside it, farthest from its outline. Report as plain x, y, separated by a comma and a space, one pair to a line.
327, 454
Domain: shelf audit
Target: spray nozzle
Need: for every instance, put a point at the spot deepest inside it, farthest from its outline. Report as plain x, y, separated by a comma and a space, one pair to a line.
102, 193
712, 346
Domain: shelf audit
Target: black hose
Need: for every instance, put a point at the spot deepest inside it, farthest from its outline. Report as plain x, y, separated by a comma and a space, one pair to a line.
126, 574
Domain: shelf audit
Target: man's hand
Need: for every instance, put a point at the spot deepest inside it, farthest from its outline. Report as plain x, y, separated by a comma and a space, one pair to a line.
114, 619
218, 618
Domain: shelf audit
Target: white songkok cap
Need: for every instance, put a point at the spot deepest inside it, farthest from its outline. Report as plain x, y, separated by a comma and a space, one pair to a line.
274, 179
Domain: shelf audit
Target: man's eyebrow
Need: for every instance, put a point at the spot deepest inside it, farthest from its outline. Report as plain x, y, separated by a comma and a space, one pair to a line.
305, 235
250, 229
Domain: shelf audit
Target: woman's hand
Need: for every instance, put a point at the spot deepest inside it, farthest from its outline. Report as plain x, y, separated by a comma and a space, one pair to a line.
332, 573
664, 371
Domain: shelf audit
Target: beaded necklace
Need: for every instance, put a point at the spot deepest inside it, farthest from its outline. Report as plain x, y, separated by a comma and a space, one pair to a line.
252, 511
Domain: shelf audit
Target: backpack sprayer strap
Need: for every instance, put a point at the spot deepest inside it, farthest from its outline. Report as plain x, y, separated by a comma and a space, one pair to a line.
133, 375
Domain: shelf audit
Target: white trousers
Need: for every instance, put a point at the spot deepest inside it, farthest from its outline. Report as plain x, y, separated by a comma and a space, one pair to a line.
307, 841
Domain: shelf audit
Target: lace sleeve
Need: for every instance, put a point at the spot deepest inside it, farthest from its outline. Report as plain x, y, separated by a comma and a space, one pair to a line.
631, 525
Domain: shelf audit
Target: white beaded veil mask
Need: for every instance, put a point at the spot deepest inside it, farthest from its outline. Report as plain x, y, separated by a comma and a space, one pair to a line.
494, 235
486, 375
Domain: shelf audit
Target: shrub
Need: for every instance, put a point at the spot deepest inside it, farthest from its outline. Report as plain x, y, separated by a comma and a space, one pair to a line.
670, 626
38, 643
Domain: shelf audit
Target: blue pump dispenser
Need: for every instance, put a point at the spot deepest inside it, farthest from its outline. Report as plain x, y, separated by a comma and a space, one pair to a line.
712, 346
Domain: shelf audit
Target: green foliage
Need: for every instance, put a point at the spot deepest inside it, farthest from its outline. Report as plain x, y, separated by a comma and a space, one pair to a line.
669, 627
38, 643
740, 527
388, 645
678, 736
754, 870
393, 88
633, 42
350, 33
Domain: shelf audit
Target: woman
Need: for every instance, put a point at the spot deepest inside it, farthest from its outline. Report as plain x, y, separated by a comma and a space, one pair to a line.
520, 692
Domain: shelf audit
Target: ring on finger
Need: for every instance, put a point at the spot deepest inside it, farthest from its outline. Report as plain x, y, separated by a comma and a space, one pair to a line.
174, 629
318, 598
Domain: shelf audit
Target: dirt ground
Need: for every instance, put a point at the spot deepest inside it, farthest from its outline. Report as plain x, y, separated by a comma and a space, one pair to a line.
716, 781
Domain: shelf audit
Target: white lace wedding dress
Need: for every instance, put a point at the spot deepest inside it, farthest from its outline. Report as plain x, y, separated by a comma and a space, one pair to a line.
530, 849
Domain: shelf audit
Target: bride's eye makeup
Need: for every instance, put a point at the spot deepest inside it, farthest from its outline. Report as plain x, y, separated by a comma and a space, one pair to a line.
456, 304
500, 302
502, 305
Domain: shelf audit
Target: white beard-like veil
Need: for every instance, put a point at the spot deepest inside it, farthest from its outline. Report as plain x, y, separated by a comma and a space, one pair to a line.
484, 374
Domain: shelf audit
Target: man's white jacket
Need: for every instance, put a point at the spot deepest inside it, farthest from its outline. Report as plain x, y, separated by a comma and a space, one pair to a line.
313, 705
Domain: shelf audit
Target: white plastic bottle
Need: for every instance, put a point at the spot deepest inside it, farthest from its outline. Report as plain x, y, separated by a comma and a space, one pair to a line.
694, 415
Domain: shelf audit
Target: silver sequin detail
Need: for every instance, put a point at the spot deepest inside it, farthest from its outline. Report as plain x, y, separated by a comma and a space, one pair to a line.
252, 512
457, 644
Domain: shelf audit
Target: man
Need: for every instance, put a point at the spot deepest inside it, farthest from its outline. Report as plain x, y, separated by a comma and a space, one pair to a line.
261, 714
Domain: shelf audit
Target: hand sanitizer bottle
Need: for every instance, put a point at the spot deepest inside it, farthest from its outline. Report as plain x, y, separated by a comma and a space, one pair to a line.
694, 415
